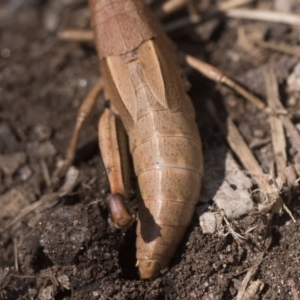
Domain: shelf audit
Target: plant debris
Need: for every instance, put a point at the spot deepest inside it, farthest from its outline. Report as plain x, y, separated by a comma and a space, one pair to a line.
56, 240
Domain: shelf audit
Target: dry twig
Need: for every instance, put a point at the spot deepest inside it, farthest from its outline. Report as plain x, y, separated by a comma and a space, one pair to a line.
251, 272
76, 35
230, 4
46, 174
284, 48
277, 131
292, 131
266, 16
4, 278
168, 7
16, 254
240, 148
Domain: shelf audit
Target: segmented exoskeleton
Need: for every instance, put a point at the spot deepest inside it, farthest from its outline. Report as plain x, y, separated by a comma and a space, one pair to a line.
143, 80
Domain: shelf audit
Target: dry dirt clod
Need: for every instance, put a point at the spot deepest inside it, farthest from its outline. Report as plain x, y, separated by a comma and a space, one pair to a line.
66, 233
46, 150
10, 163
11, 203
28, 251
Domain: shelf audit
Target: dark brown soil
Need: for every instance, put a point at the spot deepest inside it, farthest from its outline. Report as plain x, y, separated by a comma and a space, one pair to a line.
71, 251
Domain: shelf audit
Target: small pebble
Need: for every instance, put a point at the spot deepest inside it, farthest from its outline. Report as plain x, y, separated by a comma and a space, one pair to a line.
5, 52
8, 138
258, 133
292, 100
24, 173
46, 149
12, 202
290, 175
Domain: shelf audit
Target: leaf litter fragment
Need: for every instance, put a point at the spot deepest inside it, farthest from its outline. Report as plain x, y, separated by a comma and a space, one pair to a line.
270, 186
233, 194
210, 222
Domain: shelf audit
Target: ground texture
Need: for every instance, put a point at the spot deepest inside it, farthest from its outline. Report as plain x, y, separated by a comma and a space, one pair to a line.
70, 250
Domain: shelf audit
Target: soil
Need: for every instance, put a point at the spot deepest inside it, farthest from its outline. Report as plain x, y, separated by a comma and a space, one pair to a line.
70, 250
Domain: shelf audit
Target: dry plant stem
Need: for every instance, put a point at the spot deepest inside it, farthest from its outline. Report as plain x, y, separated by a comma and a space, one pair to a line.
46, 174
76, 35
215, 12
284, 48
251, 272
266, 16
168, 7
292, 131
295, 292
4, 278
259, 143
289, 212
289, 126
83, 113
277, 131
236, 142
216, 75
16, 254
238, 237
230, 4
239, 146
